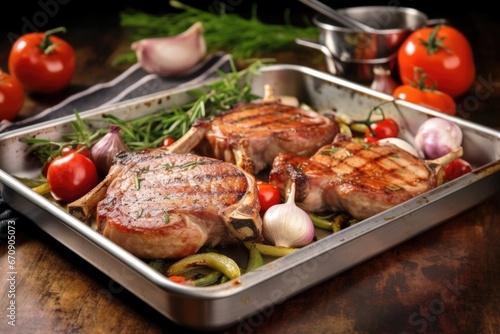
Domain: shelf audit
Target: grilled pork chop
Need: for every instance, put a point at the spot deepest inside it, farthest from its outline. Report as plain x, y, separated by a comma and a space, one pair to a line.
358, 179
251, 135
160, 204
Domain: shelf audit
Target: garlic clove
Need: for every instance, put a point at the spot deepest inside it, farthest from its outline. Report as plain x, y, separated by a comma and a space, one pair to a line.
172, 55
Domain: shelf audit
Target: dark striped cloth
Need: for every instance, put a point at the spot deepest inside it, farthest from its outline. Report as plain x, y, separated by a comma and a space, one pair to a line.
133, 83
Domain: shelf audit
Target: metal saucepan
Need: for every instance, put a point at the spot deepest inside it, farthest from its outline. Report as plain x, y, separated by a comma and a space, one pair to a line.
360, 71
349, 51
392, 24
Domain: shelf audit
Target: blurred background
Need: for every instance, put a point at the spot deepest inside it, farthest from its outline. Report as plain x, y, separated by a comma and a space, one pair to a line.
77, 12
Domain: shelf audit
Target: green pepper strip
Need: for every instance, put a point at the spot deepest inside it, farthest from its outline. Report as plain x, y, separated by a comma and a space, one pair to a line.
338, 222
42, 189
208, 279
217, 261
274, 251
158, 265
254, 257
324, 223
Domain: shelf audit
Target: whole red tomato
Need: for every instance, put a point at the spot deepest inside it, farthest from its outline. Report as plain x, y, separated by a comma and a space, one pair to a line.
421, 93
71, 176
269, 195
444, 53
79, 149
386, 128
429, 98
11, 97
42, 62
65, 151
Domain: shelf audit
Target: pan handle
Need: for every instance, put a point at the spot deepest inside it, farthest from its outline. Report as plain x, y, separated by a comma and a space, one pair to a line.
310, 43
314, 45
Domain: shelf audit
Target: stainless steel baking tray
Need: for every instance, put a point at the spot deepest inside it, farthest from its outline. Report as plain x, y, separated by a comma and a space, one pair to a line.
254, 294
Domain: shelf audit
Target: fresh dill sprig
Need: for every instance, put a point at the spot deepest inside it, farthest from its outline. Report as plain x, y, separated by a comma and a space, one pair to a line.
243, 38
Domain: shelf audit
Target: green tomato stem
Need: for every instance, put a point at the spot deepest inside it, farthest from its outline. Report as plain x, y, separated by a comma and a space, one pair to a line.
46, 45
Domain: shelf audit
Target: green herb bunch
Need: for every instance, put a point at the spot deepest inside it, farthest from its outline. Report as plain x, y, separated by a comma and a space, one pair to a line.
243, 38
149, 131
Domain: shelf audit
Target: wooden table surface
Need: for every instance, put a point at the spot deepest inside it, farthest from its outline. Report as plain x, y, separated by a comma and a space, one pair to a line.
446, 280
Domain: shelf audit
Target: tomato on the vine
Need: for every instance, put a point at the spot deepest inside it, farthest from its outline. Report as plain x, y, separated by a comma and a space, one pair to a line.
269, 195
444, 53
42, 62
386, 128
456, 168
71, 176
428, 96
11, 96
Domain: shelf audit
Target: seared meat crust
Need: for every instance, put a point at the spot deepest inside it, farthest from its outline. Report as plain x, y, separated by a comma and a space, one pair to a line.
166, 205
251, 135
362, 180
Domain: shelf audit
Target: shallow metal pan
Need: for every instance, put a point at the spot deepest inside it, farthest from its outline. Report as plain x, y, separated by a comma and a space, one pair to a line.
253, 295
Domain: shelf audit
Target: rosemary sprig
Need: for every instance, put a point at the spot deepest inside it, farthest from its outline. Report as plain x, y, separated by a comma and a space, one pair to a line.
46, 149
148, 131
243, 38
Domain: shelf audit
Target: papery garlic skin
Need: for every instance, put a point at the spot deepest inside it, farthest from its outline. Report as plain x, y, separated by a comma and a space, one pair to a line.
172, 55
287, 225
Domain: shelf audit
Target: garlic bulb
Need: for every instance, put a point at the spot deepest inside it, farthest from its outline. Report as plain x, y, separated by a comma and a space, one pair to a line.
172, 55
383, 81
103, 152
287, 225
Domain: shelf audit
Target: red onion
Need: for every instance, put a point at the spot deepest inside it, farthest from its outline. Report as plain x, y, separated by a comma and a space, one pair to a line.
437, 137
103, 152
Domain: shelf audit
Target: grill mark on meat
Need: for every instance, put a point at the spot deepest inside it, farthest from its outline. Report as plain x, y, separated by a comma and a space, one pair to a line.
183, 175
181, 203
386, 169
251, 135
246, 118
360, 179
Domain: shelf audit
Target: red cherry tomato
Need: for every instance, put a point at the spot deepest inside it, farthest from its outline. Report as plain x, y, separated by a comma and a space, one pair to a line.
71, 176
269, 195
11, 97
386, 128
456, 168
444, 53
42, 62
79, 148
168, 141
